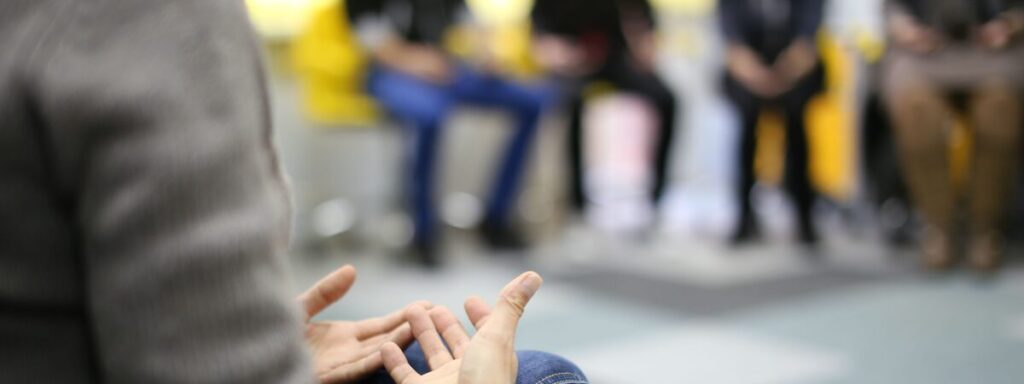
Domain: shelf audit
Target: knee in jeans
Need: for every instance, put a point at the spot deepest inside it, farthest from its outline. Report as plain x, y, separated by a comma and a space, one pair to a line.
546, 368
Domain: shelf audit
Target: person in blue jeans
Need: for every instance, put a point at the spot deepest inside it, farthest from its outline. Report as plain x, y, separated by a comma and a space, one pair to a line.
416, 81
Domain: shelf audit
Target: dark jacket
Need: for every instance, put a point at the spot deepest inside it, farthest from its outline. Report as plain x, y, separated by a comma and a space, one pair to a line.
416, 21
597, 25
769, 26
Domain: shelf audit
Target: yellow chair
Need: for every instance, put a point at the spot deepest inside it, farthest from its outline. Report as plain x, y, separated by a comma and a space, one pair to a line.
332, 68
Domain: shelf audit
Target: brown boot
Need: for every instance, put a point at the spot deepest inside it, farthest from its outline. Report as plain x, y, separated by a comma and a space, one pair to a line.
937, 249
985, 251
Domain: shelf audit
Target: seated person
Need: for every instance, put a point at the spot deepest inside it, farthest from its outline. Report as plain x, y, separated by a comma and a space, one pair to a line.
144, 218
952, 56
583, 41
416, 80
773, 61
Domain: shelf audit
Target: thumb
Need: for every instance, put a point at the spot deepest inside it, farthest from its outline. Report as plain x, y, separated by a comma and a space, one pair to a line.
328, 290
512, 303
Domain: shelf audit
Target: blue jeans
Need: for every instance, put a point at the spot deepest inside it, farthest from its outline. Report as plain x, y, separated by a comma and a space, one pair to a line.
425, 106
534, 368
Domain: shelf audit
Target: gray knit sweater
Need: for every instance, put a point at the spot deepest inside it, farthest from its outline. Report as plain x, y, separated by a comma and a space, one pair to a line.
143, 218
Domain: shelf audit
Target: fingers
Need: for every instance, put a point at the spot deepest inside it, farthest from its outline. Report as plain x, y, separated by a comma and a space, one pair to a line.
396, 364
328, 290
423, 329
477, 309
511, 304
351, 372
402, 336
387, 323
451, 330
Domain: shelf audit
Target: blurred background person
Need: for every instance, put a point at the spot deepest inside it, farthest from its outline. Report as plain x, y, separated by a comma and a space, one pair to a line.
772, 61
950, 57
585, 41
415, 79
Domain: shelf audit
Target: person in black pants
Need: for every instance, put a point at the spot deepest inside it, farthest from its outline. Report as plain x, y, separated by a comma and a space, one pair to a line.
583, 41
772, 61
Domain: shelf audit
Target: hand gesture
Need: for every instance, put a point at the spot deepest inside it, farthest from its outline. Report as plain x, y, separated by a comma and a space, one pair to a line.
345, 351
488, 357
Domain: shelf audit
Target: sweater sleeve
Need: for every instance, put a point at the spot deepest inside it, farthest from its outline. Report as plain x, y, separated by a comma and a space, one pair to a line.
158, 116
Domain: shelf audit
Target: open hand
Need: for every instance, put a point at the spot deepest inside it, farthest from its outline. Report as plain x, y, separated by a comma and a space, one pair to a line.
914, 36
488, 357
751, 72
345, 351
796, 62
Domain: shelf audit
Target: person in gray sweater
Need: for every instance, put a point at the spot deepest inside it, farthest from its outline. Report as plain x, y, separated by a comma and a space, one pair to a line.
144, 218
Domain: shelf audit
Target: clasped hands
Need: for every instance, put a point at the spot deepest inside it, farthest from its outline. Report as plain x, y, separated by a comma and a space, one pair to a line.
919, 38
347, 351
770, 81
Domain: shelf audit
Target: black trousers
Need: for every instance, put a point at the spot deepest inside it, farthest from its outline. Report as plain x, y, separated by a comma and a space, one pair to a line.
793, 106
626, 77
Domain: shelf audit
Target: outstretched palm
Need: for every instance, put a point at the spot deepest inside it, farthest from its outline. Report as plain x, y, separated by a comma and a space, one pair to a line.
345, 351
488, 357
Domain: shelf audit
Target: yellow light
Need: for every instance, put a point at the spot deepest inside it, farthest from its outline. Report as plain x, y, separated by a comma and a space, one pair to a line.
282, 18
500, 12
691, 7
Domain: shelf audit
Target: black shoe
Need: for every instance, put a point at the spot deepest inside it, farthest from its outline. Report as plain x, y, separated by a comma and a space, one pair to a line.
502, 236
746, 232
808, 235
